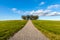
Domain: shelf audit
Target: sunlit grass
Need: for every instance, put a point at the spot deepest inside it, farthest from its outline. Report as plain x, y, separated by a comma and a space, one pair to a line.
8, 28
50, 28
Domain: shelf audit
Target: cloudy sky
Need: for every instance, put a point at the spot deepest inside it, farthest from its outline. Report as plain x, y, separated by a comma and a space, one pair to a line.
14, 9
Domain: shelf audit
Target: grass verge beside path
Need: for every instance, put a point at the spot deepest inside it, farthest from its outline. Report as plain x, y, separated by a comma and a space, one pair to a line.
50, 28
8, 28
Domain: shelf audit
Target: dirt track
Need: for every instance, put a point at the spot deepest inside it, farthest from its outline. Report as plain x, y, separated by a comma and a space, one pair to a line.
29, 32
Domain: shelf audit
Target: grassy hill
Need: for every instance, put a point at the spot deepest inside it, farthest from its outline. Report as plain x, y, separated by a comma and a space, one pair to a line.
50, 28
8, 28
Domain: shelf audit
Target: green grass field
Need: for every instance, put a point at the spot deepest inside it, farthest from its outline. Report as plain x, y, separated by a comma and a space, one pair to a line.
50, 28
8, 28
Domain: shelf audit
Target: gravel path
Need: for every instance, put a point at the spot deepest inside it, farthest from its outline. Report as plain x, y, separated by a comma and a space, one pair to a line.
29, 32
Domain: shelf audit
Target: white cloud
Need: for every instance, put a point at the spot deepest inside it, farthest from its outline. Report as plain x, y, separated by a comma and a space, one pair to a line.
54, 6
54, 10
42, 3
53, 14
13, 9
40, 12
32, 12
45, 13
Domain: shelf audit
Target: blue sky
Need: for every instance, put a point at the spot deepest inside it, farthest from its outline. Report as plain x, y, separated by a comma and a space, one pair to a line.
14, 9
